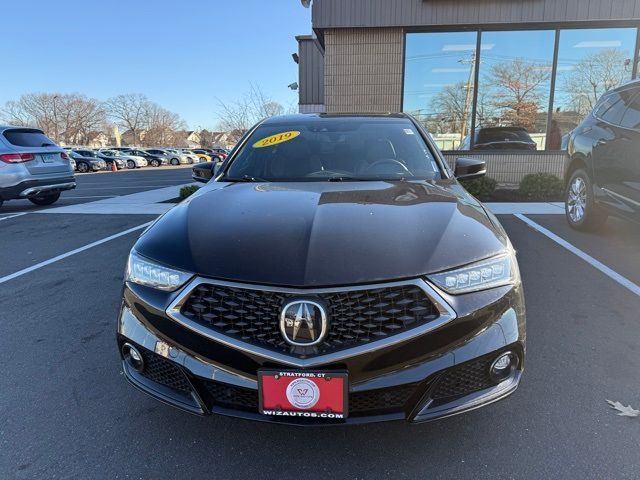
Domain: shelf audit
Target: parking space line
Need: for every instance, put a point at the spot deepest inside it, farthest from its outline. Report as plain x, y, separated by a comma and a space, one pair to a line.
615, 276
70, 253
13, 216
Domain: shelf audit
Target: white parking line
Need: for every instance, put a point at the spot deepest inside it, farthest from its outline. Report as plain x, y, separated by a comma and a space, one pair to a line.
72, 252
13, 216
615, 276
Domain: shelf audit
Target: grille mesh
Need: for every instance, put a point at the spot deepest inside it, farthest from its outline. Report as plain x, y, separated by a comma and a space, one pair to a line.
355, 317
230, 396
383, 400
161, 370
466, 378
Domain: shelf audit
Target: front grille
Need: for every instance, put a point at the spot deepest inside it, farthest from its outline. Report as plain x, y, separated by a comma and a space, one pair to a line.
355, 317
233, 397
465, 378
384, 400
161, 370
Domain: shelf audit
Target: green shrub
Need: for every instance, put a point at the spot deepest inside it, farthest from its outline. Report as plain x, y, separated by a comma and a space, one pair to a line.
482, 188
541, 186
188, 190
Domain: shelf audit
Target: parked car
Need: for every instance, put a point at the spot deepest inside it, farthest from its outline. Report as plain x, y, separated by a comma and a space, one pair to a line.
202, 154
162, 154
194, 156
130, 161
178, 158
153, 160
216, 154
603, 174
87, 161
353, 280
32, 166
500, 138
109, 159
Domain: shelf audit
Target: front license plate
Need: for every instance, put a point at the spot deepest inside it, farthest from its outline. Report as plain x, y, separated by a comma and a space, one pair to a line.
302, 394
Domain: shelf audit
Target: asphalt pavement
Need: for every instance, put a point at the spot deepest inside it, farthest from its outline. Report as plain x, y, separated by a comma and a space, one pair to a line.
66, 410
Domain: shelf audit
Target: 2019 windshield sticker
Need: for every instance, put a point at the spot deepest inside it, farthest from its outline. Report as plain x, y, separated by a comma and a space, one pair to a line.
277, 138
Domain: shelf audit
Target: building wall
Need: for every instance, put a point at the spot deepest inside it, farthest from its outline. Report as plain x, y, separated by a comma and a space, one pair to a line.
418, 13
310, 72
363, 70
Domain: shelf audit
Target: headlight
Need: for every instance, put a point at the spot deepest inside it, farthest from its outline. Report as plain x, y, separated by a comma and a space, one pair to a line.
144, 272
490, 273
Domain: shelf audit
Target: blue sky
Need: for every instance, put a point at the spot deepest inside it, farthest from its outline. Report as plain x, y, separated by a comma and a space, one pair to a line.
183, 55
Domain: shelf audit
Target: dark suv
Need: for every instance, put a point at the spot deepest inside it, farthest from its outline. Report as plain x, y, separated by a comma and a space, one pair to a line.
603, 173
333, 271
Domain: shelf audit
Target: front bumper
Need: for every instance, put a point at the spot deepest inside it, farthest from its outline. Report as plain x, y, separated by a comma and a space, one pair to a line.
440, 373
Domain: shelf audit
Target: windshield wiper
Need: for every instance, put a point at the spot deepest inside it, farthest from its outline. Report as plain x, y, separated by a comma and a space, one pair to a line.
345, 179
244, 178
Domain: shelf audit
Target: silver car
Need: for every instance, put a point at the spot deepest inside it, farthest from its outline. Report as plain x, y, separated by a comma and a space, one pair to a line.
131, 161
178, 157
32, 166
164, 155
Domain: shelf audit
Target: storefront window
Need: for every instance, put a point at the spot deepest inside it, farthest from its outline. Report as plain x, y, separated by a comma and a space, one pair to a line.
439, 83
514, 89
590, 62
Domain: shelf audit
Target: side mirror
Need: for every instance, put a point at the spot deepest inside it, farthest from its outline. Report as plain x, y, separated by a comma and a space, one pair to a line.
470, 168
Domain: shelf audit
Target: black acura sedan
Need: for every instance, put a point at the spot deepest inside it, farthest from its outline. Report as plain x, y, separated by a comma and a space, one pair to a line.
333, 271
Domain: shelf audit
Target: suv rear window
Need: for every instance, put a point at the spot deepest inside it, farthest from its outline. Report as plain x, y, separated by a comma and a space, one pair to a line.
503, 134
27, 137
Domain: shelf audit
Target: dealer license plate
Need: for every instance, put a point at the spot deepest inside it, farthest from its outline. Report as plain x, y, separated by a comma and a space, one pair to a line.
302, 394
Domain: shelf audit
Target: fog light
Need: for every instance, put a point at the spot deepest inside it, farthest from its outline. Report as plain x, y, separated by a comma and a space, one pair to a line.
133, 357
502, 366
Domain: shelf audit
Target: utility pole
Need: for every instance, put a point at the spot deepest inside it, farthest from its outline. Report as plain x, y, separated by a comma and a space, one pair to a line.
469, 95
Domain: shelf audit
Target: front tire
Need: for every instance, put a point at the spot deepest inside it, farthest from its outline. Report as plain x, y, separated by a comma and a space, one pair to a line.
155, 163
175, 161
581, 209
83, 167
131, 164
47, 199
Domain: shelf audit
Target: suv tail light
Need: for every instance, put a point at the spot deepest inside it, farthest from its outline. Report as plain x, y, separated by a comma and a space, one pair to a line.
16, 157
64, 156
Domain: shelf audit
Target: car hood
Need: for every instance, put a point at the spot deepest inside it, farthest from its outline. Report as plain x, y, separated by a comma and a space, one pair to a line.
321, 233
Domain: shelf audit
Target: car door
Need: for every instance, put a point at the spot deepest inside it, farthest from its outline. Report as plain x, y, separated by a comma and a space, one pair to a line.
627, 186
602, 135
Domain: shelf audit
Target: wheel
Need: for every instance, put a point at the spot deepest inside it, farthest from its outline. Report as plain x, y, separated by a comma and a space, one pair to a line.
175, 161
47, 199
155, 163
217, 159
131, 164
580, 206
83, 167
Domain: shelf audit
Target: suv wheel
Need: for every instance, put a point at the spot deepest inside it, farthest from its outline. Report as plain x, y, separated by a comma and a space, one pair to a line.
83, 167
47, 199
580, 207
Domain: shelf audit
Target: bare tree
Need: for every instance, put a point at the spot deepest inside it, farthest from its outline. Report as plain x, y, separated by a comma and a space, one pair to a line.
130, 112
516, 91
248, 110
594, 75
64, 117
162, 126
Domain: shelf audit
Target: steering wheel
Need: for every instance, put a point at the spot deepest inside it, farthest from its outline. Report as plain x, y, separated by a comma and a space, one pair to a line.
390, 161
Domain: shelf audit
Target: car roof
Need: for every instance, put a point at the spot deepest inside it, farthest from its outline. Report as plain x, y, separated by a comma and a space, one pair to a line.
8, 127
307, 117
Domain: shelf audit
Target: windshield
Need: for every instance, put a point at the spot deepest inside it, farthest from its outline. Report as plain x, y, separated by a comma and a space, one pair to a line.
335, 149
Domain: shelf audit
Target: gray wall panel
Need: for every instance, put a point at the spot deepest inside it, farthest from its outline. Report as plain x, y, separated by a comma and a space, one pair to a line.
310, 72
391, 13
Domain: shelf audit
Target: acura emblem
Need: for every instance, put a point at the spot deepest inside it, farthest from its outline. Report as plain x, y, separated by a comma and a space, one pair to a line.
303, 323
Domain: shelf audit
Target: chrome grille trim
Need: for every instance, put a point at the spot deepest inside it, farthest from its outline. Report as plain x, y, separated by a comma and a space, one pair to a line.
446, 315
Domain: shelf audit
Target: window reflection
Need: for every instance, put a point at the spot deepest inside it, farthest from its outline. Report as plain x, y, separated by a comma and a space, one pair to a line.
590, 62
514, 90
438, 84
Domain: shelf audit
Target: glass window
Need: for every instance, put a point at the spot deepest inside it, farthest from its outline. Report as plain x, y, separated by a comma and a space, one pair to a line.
335, 148
439, 83
590, 63
514, 89
27, 137
631, 117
